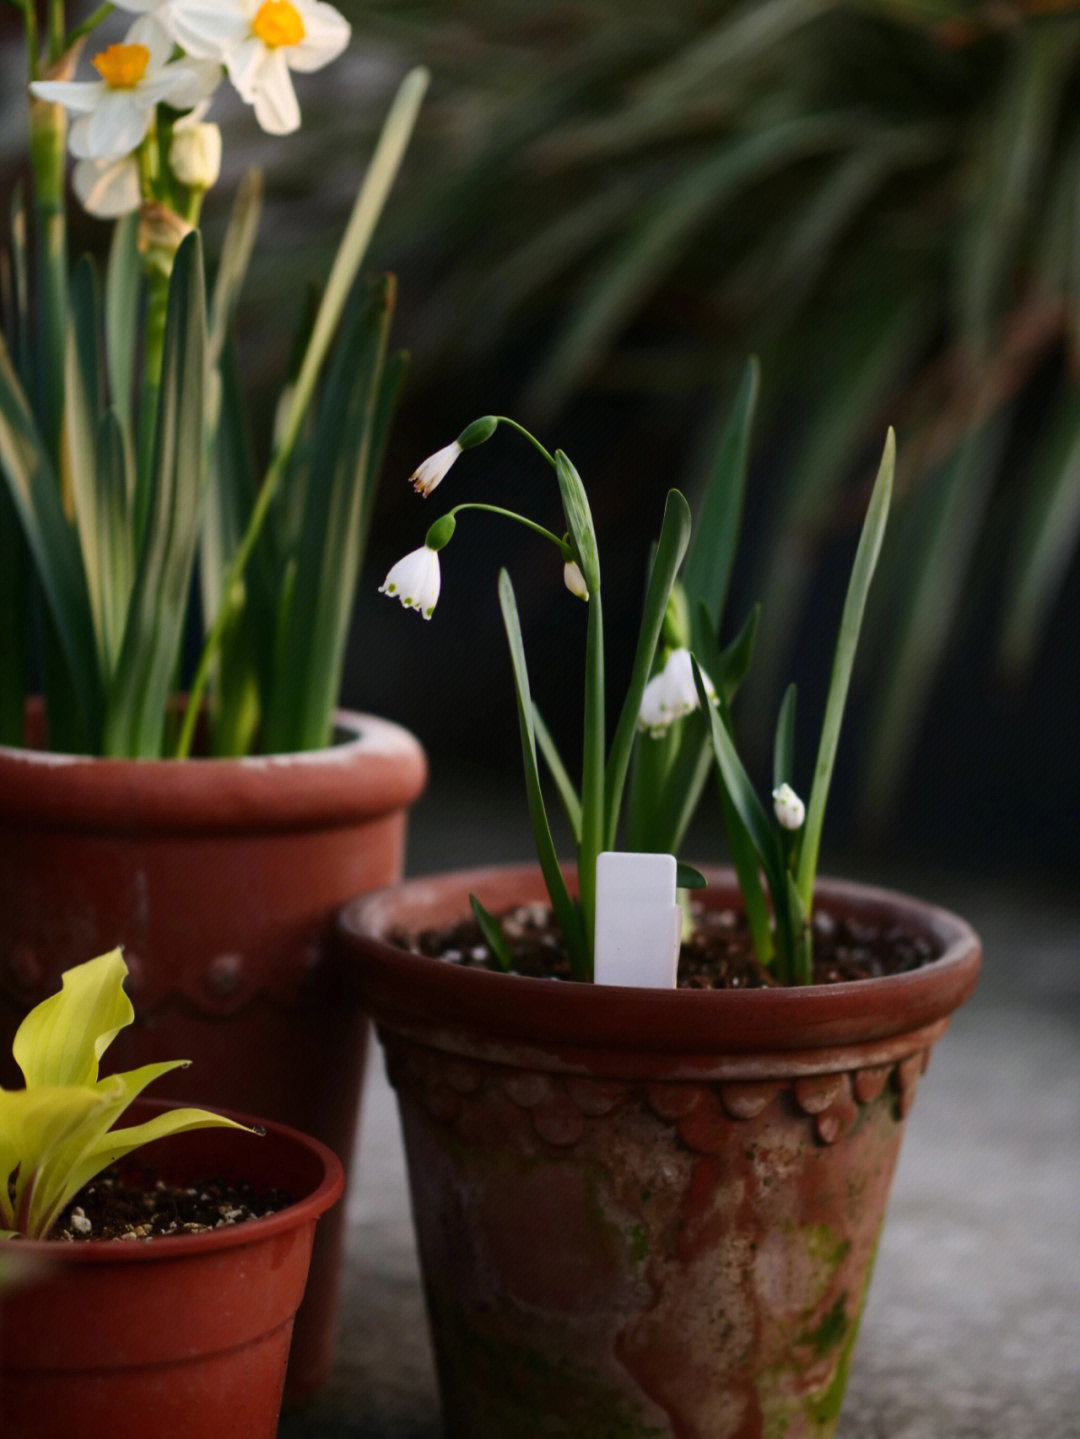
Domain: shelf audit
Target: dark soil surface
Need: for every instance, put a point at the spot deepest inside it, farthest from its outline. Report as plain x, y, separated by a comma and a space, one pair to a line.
134, 1204
718, 954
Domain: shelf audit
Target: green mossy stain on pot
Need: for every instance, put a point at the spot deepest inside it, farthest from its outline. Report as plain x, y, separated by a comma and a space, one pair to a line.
512, 1389
830, 1331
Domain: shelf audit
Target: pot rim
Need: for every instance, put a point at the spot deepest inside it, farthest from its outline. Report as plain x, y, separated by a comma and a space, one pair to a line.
380, 766
304, 1210
403, 990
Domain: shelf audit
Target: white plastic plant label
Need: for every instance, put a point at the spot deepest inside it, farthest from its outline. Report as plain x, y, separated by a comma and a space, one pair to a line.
638, 921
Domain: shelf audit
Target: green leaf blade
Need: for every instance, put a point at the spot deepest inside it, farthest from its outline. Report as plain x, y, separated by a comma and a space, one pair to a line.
862, 572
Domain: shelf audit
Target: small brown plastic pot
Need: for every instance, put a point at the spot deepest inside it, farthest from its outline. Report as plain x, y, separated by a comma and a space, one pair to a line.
153, 1339
219, 879
647, 1212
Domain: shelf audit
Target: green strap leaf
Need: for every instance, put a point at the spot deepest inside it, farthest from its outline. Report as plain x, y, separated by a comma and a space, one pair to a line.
862, 572
123, 289
333, 487
569, 917
34, 491
784, 741
734, 661
711, 555
670, 549
579, 520
564, 785
492, 932
146, 670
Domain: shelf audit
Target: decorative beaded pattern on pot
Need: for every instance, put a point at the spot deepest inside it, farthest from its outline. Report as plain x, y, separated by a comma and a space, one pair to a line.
561, 1108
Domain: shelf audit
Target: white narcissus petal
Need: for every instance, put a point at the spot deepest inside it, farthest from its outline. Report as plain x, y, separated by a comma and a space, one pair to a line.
149, 31
326, 34
187, 83
276, 107
115, 128
108, 188
209, 30
244, 63
78, 96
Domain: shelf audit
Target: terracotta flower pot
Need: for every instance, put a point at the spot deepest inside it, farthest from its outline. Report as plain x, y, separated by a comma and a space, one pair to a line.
641, 1212
219, 879
166, 1337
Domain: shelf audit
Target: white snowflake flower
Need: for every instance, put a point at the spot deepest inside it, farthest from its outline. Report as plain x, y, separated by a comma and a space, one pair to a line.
671, 694
114, 112
575, 580
259, 42
415, 581
788, 807
434, 469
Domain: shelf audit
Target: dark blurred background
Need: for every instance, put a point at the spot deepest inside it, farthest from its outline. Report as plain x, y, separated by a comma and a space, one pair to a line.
606, 209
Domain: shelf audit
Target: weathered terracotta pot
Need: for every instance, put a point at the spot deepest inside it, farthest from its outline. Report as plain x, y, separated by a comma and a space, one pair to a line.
181, 1336
641, 1212
219, 878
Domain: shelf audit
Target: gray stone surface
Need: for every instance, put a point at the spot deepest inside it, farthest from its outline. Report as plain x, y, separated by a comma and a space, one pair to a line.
972, 1328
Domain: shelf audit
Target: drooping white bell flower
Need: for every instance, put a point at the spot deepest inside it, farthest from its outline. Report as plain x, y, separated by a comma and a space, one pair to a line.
114, 112
788, 807
415, 581
259, 42
575, 580
434, 469
671, 694
108, 188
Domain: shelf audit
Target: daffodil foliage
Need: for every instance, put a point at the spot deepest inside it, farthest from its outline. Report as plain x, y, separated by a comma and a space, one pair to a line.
57, 1133
130, 506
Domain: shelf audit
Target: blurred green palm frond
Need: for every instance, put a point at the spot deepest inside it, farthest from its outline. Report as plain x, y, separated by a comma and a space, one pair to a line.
880, 198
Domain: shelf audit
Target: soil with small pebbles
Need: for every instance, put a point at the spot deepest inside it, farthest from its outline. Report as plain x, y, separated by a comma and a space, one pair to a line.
131, 1203
718, 953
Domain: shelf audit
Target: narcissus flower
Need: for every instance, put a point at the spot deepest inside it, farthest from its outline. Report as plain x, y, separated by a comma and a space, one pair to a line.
670, 694
434, 469
788, 807
114, 112
259, 42
415, 581
108, 188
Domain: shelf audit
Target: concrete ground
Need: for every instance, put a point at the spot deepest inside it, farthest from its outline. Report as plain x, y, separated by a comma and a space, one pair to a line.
972, 1328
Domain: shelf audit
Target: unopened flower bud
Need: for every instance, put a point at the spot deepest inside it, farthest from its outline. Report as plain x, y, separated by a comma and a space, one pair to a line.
479, 431
788, 807
575, 580
161, 231
195, 154
440, 533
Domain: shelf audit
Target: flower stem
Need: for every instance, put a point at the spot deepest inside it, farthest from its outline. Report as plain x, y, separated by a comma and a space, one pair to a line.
521, 519
90, 23
157, 305
57, 30
592, 771
48, 134
504, 420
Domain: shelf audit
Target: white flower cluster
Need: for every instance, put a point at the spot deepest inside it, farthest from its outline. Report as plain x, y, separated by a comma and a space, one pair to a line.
671, 694
176, 53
